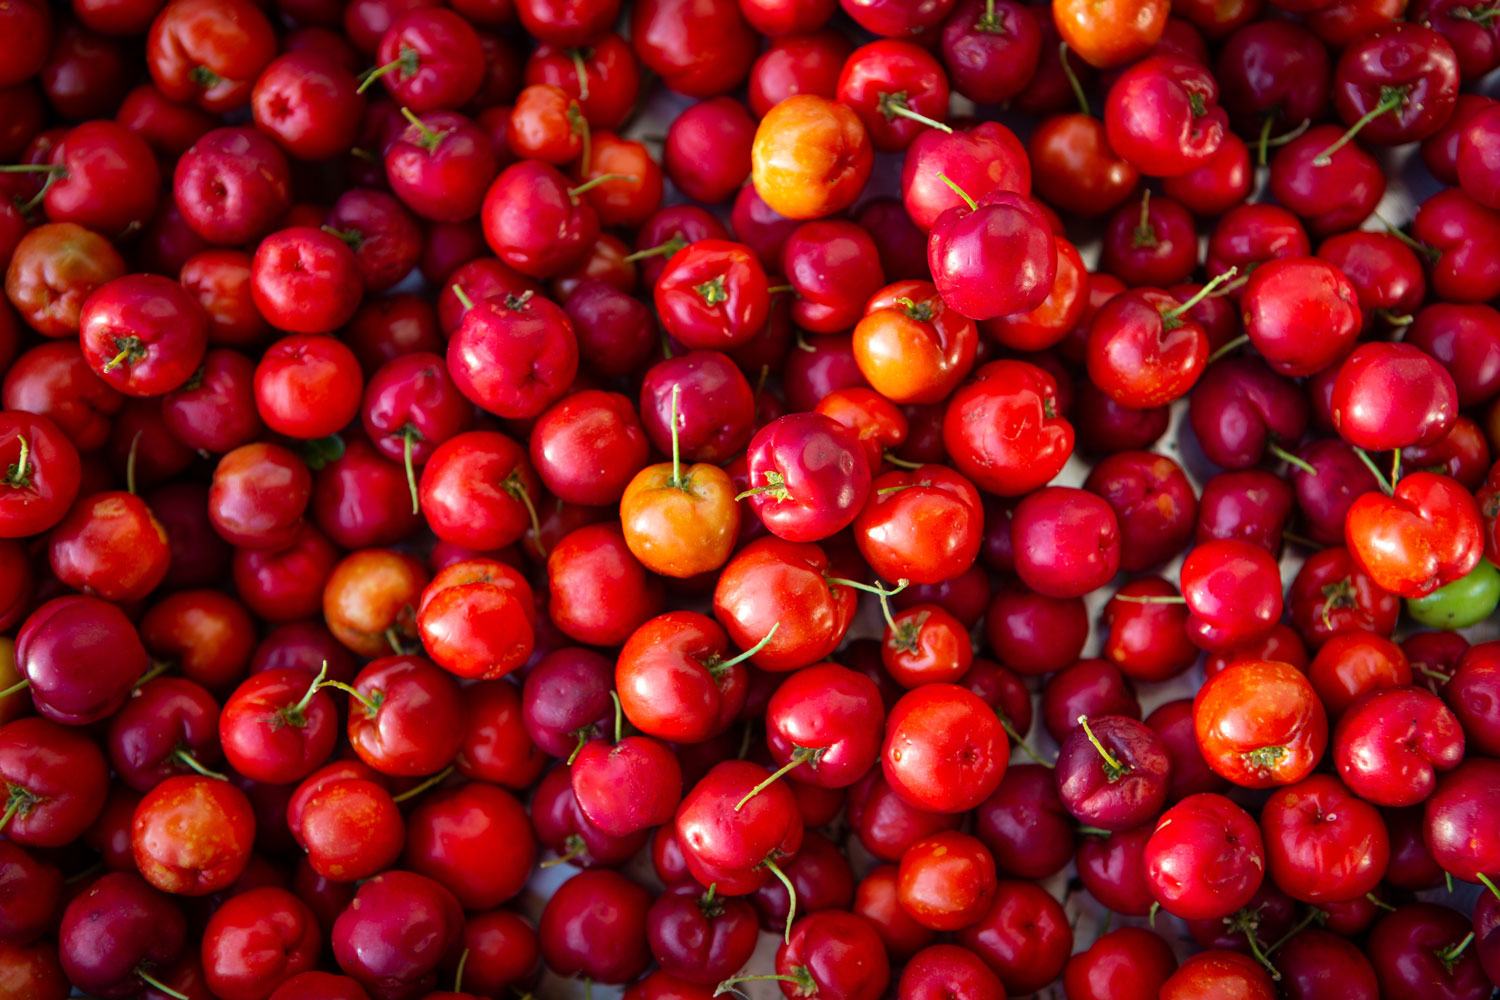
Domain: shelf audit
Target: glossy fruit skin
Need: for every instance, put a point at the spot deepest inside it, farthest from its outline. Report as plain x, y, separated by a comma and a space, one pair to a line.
772, 580
1392, 396
912, 345
1113, 796
1412, 60
1152, 116
1219, 973
209, 52
1003, 428
1389, 745
403, 927
925, 530
944, 749
475, 841
811, 157
58, 776
1129, 963
712, 295
1286, 299
981, 160
1322, 843
1004, 233
727, 848
1331, 594
1428, 534
834, 953
814, 475
1233, 589
267, 737
115, 925
1259, 724
1205, 858
258, 940
416, 726
192, 835
81, 656
1025, 938
1457, 828
477, 619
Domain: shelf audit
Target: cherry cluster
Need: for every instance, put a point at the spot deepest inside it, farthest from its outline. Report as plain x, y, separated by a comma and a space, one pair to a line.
408, 484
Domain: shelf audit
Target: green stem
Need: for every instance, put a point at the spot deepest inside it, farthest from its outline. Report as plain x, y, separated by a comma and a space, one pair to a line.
458, 975
1291, 459
158, 985
1073, 81
1265, 137
14, 688
33, 168
619, 716
751, 651
960, 192
130, 457
1489, 884
727, 986
583, 74
1113, 769
370, 707
594, 182
158, 667
1391, 98
1201, 294
1020, 741
896, 105
800, 756
463, 298
676, 444
1375, 470
183, 757
668, 248
880, 592
1395, 467
298, 710
11, 808
575, 845
418, 789
901, 463
1229, 348
791, 894
780, 289
407, 436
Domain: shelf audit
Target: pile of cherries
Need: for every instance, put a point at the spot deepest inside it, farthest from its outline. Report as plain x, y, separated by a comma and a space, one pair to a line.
407, 484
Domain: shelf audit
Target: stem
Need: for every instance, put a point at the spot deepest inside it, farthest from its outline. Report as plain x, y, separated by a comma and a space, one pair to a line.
114, 362
1265, 137
1073, 82
297, 711
1151, 913
575, 846
960, 192
1391, 98
676, 444
33, 168
1144, 235
183, 757
1263, 957
1020, 741
751, 651
1449, 955
14, 688
594, 182
1422, 248
1113, 769
516, 487
671, 246
1286, 137
19, 475
158, 985
1484, 880
458, 975
158, 667
1201, 294
780, 289
1147, 599
583, 86
1379, 476
791, 893
11, 808
881, 592
135, 447
1229, 348
1395, 467
896, 104
406, 60
393, 638
1291, 459
430, 139
1381, 904
901, 463
583, 738
727, 986
1093, 831
800, 756
371, 707
463, 298
619, 716
415, 790
408, 436
579, 125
